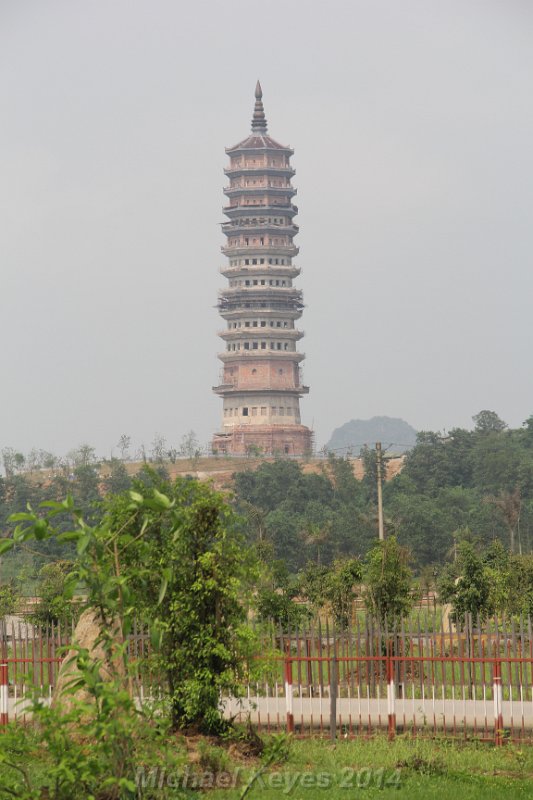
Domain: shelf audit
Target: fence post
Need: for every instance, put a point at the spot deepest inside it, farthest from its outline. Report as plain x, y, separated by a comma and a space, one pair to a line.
3, 694
333, 683
497, 695
391, 694
288, 693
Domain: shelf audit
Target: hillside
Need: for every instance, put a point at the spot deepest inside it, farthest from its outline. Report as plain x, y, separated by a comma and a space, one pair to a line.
395, 434
220, 471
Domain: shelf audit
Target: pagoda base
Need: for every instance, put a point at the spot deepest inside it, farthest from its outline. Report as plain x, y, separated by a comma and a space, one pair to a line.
287, 440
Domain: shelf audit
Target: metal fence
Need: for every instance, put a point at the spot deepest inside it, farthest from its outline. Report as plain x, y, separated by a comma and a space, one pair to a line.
424, 676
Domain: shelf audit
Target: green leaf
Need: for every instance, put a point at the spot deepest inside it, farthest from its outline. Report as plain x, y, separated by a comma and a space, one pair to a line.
21, 516
162, 590
162, 500
83, 543
52, 504
5, 545
40, 529
136, 497
68, 536
156, 637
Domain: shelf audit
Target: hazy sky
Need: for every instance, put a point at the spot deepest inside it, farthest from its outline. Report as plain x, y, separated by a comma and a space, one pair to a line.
412, 122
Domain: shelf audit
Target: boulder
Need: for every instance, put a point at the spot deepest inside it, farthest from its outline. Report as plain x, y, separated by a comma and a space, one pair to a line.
85, 635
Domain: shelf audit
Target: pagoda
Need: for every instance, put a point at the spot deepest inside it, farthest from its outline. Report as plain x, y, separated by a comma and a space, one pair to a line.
261, 379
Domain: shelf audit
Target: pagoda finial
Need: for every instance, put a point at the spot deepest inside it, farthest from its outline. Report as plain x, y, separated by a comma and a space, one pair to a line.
259, 123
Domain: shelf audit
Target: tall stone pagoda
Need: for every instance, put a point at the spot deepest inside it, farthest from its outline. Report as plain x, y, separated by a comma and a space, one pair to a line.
261, 380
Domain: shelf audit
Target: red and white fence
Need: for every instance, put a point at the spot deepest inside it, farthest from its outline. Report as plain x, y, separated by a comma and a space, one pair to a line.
419, 678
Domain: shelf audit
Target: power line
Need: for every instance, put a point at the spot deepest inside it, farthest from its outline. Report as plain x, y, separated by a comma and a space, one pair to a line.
368, 445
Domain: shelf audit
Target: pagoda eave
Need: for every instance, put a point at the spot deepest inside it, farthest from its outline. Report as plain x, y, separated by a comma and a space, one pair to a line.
276, 270
238, 356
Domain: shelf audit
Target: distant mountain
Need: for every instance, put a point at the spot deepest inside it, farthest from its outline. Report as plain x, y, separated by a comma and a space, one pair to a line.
395, 434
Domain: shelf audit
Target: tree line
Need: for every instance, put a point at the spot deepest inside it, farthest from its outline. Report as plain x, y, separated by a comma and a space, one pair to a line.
479, 480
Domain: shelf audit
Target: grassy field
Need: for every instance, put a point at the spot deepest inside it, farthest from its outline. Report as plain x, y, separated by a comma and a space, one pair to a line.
313, 769
403, 768
316, 768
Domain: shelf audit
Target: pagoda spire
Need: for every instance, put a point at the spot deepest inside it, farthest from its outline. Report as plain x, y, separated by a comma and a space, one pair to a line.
259, 123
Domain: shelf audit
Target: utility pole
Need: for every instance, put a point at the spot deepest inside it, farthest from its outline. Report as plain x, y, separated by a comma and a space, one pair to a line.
380, 494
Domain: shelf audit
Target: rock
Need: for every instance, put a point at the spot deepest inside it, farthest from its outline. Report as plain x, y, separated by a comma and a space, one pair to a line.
85, 635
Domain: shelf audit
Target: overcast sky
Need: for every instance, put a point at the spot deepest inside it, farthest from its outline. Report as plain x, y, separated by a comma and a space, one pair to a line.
412, 122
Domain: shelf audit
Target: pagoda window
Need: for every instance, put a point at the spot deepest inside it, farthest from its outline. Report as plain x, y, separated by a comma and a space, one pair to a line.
254, 324
255, 283
263, 323
246, 345
263, 345
286, 347
254, 371
245, 411
262, 283
246, 261
278, 346
278, 324
262, 261
246, 241
255, 346
254, 260
246, 283
246, 324
280, 372
271, 345
263, 411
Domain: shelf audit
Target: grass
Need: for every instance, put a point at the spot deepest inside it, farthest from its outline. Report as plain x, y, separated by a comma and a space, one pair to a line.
313, 769
403, 768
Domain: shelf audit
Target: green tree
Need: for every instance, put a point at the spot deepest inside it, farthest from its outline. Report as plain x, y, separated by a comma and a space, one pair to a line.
467, 584
82, 456
54, 604
276, 596
388, 581
8, 599
333, 589
488, 422
188, 571
117, 480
